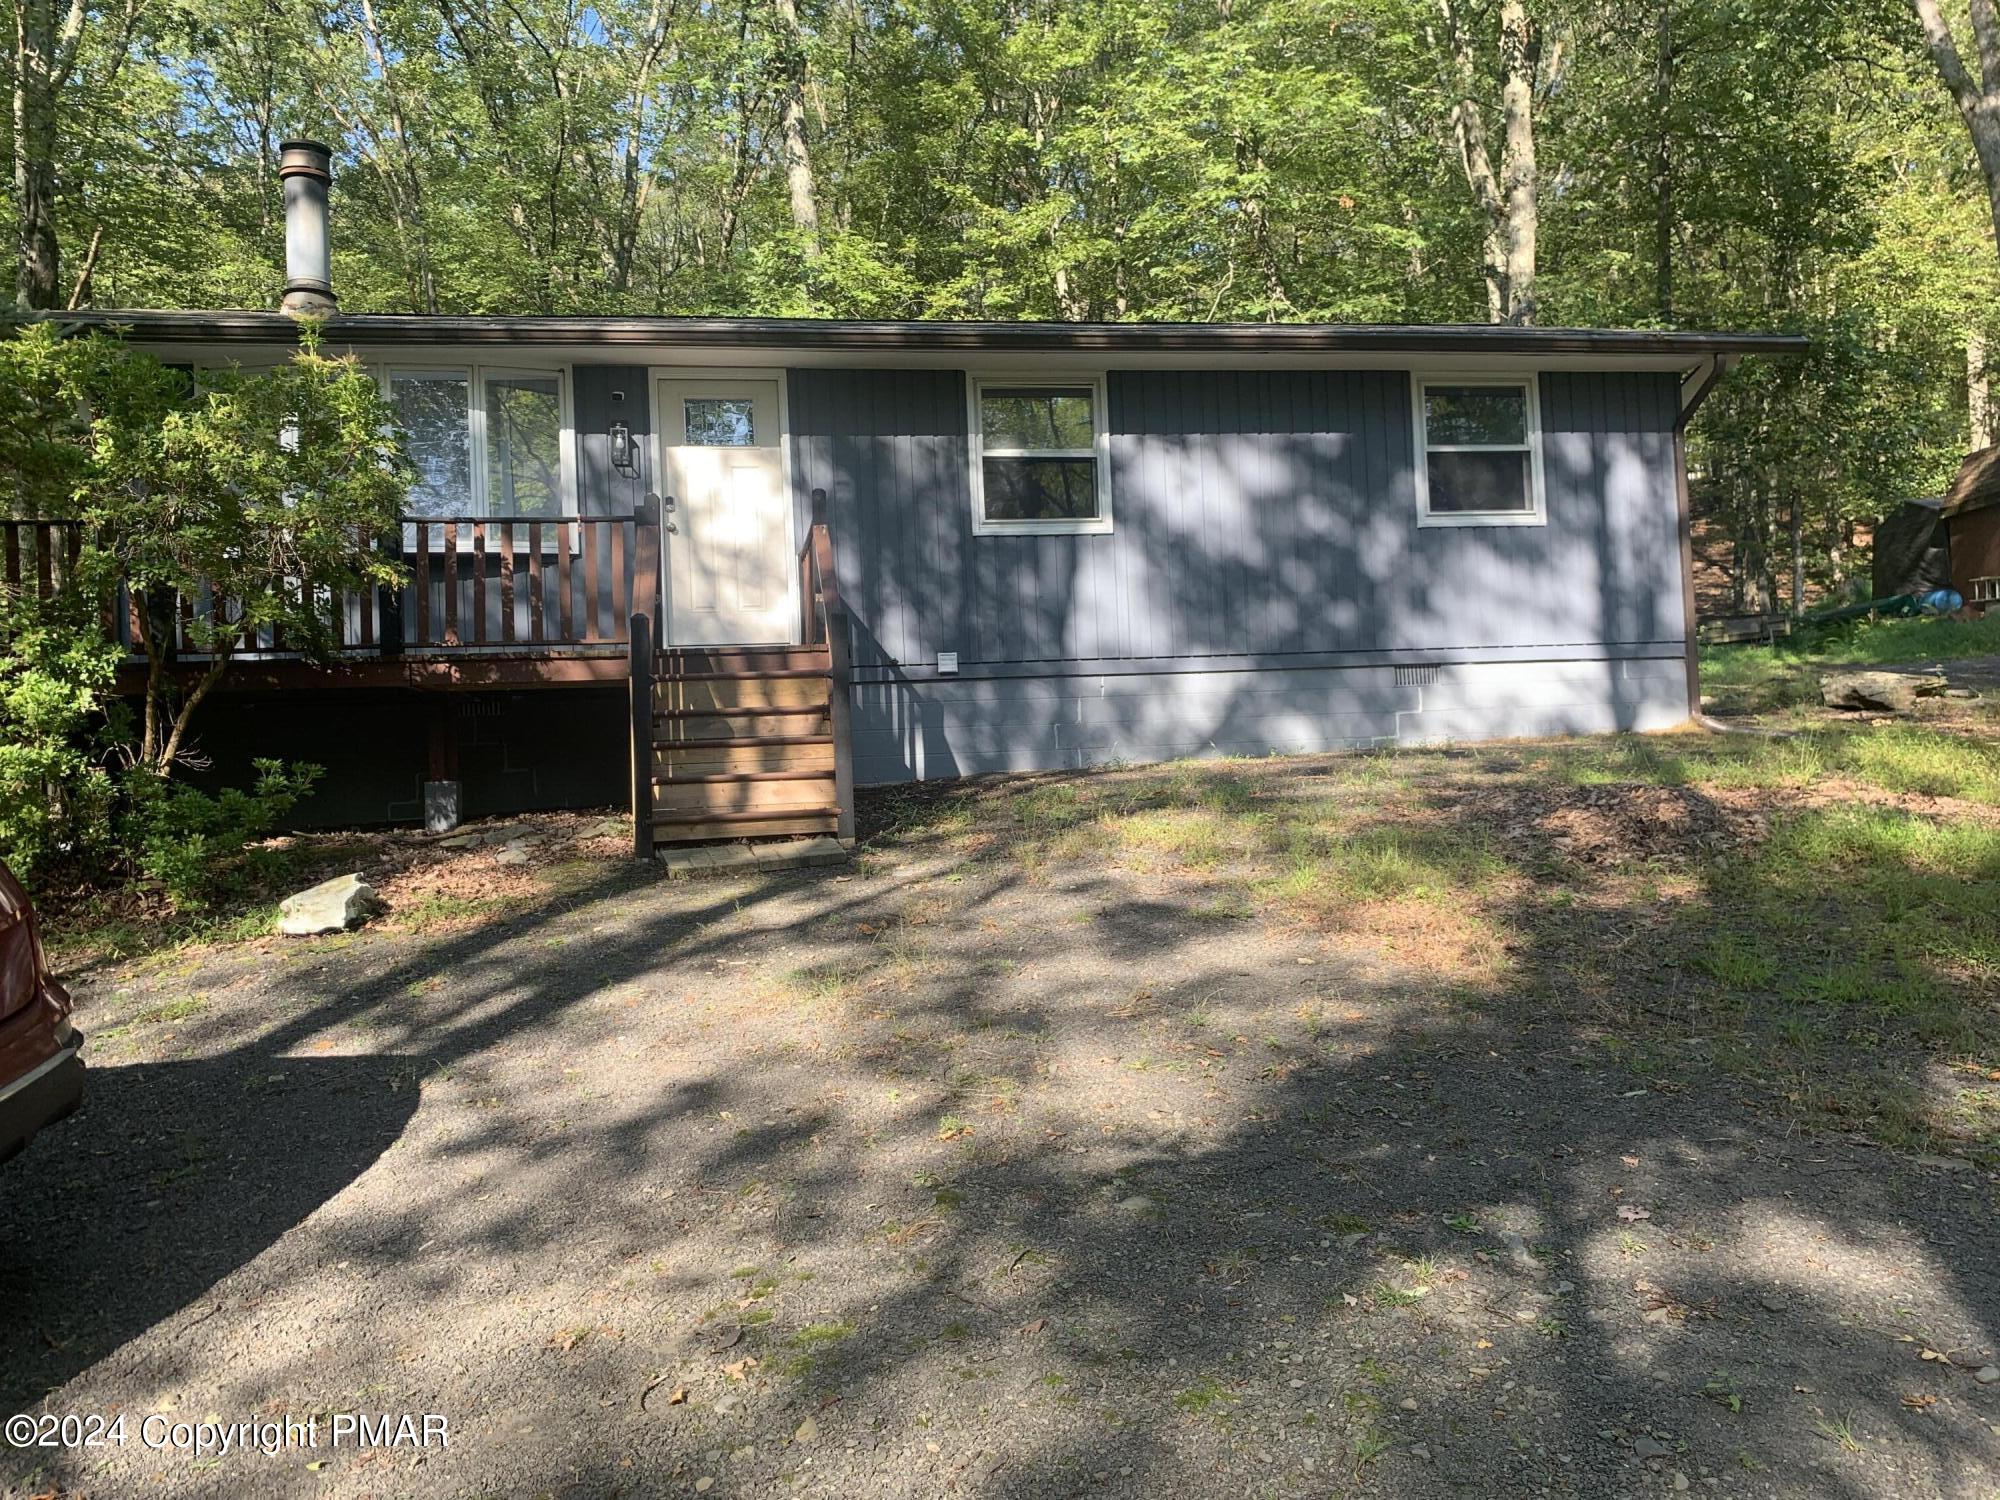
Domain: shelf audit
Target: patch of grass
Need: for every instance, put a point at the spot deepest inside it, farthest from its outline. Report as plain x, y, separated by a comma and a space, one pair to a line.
1877, 933
1388, 862
1903, 758
1231, 906
809, 1344
184, 1009
1206, 1397
173, 1010
1368, 1447
1046, 809
822, 984
1739, 960
1196, 837
1839, 1430
820, 1335
1760, 678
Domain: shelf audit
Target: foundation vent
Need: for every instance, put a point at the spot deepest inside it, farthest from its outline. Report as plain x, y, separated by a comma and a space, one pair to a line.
1421, 676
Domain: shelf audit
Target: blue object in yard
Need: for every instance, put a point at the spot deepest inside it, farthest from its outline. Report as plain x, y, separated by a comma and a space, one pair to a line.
1941, 602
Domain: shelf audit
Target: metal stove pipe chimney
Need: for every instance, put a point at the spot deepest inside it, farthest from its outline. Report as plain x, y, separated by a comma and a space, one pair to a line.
306, 169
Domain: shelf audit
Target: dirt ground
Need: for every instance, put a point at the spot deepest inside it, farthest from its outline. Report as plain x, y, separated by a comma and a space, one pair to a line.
961, 1172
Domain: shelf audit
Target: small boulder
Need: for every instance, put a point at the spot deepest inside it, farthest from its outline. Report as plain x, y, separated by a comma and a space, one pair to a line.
331, 906
1878, 692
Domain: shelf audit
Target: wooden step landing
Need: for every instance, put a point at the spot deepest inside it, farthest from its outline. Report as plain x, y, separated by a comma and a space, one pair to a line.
739, 858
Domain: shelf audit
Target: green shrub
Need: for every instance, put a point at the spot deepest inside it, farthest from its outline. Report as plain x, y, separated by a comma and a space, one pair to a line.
194, 844
55, 793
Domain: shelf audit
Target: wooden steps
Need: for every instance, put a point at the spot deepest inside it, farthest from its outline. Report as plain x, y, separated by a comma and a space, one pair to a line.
743, 744
736, 743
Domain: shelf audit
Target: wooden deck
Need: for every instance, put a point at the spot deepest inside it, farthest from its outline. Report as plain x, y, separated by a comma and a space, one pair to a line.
728, 742
489, 603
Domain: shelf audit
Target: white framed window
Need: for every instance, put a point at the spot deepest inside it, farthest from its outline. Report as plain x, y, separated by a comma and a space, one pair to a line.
1479, 451
1040, 455
487, 440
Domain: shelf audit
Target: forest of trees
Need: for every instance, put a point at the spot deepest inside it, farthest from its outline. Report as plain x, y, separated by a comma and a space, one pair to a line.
1823, 166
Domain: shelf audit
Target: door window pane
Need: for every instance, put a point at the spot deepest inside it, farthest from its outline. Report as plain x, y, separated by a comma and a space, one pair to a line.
1036, 418
523, 445
433, 407
1040, 489
720, 421
1475, 414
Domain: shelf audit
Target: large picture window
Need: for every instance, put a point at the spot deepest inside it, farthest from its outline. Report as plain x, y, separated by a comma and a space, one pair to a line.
1479, 459
485, 442
1039, 456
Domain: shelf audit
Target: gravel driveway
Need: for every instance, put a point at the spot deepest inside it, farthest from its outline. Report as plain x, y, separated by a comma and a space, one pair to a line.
949, 1176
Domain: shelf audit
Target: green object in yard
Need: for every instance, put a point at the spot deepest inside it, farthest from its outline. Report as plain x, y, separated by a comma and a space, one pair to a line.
1895, 607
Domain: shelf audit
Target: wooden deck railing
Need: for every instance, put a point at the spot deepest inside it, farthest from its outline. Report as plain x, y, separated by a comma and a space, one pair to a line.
39, 555
564, 585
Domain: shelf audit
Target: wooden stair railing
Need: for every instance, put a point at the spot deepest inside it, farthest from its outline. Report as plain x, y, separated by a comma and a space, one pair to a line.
736, 742
826, 617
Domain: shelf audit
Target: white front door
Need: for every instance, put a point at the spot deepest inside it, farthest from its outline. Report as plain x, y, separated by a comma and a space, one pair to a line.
731, 577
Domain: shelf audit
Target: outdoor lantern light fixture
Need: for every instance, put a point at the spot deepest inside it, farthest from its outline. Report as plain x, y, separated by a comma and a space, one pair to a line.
621, 445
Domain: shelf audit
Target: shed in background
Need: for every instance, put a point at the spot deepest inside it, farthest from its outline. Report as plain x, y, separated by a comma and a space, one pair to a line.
1972, 520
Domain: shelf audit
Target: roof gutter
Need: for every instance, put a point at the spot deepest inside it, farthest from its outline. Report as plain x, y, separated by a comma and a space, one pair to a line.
940, 337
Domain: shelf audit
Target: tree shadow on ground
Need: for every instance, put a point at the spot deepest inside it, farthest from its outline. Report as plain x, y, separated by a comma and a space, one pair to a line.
173, 1176
1226, 1206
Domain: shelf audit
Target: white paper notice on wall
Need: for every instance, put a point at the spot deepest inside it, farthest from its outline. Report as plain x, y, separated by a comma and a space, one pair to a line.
947, 663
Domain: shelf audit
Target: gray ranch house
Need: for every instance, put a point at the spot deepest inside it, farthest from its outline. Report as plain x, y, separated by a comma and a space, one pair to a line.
734, 567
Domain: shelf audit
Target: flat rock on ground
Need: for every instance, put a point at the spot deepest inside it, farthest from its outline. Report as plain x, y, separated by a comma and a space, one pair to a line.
1885, 691
951, 1178
330, 906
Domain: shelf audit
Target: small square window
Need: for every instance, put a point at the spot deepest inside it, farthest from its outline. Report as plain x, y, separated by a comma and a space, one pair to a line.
1039, 456
1478, 461
720, 421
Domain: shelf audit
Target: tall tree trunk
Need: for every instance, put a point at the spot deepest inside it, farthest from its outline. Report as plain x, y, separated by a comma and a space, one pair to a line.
404, 179
1663, 161
792, 124
1509, 197
637, 178
1519, 178
1978, 100
1798, 556
1978, 392
39, 70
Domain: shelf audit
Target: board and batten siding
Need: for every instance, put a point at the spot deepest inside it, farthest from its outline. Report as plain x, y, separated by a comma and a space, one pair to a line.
604, 394
1264, 580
